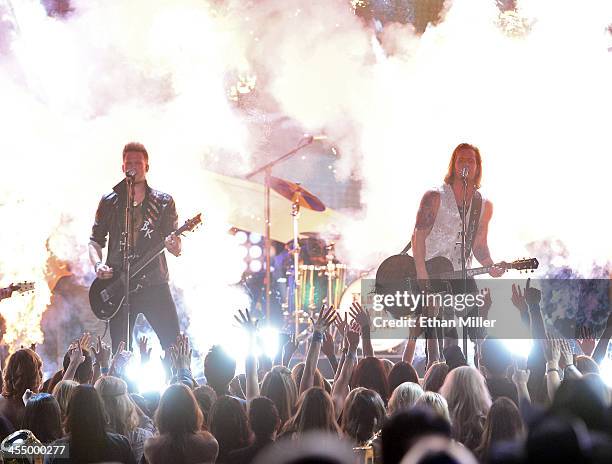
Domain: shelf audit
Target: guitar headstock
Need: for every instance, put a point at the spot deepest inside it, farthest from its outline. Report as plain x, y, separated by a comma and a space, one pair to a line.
524, 264
190, 224
22, 287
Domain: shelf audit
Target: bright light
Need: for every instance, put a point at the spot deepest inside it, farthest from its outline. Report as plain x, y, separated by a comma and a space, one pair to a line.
255, 266
241, 237
255, 251
605, 370
148, 377
236, 344
255, 237
518, 346
244, 251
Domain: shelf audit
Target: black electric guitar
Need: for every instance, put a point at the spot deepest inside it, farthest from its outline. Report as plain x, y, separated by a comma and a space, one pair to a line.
106, 295
21, 287
398, 273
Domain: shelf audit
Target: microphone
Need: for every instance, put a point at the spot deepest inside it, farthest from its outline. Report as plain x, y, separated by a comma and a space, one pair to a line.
464, 172
312, 138
130, 173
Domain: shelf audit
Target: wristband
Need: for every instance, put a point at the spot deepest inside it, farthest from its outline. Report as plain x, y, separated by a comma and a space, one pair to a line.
317, 336
553, 370
104, 370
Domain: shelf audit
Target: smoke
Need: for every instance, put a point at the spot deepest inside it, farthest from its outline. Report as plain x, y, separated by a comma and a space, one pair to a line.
76, 88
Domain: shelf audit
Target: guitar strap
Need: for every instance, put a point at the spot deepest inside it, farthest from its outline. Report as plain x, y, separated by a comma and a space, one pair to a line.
473, 222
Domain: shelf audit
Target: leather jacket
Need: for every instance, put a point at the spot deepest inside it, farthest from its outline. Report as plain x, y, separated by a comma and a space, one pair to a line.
159, 219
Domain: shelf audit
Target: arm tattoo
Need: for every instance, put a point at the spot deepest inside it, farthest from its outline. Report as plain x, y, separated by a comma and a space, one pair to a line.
427, 212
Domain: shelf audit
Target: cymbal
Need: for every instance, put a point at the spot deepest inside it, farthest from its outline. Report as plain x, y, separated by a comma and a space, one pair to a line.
295, 192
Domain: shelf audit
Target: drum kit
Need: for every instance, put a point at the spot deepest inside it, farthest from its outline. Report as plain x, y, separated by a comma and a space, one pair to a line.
320, 278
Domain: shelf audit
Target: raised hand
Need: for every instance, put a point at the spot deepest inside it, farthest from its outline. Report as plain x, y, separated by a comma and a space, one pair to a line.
327, 315
520, 376
145, 351
487, 300
289, 348
586, 340
328, 346
102, 353
552, 351
119, 360
360, 315
75, 354
353, 336
532, 295
246, 322
85, 340
566, 354
518, 298
180, 354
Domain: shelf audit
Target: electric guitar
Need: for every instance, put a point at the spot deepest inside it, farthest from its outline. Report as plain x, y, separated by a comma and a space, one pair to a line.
106, 296
398, 273
21, 287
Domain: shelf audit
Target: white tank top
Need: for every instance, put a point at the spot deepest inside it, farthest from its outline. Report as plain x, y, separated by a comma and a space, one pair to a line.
445, 236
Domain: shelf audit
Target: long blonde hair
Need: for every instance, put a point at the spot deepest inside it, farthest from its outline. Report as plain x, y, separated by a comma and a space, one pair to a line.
469, 401
120, 409
62, 393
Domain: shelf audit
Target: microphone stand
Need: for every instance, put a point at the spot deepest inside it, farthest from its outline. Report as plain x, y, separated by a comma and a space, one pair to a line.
128, 247
267, 170
463, 257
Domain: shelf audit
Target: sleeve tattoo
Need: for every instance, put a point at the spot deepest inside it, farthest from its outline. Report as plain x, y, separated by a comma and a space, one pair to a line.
426, 215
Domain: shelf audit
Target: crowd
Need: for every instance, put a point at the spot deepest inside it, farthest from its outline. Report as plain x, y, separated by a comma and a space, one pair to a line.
551, 407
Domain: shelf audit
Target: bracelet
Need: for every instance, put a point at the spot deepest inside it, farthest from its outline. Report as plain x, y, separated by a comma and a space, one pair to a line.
553, 370
317, 336
104, 370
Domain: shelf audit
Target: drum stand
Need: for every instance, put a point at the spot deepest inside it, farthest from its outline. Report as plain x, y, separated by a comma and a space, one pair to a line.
295, 214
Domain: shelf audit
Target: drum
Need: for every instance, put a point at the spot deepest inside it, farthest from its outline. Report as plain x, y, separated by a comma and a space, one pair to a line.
320, 285
353, 293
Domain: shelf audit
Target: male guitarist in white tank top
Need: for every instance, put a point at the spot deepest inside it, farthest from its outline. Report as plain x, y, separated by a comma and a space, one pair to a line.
438, 224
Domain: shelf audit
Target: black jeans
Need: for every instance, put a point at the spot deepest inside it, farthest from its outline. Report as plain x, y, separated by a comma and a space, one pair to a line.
157, 305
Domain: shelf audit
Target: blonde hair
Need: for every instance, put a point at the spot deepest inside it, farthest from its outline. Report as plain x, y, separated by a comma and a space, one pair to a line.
450, 173
119, 407
63, 392
279, 385
404, 396
469, 401
436, 403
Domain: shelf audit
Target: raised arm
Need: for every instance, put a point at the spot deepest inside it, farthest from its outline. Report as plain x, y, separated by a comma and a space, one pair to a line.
325, 319
363, 319
250, 363
341, 387
426, 216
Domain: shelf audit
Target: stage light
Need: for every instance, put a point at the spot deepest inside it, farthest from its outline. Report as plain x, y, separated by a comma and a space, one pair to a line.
149, 377
518, 346
605, 370
244, 251
255, 237
241, 237
237, 345
255, 266
255, 251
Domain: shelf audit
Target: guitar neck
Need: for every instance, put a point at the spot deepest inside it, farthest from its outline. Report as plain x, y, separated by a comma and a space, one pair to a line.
455, 275
144, 260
